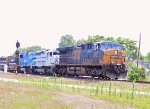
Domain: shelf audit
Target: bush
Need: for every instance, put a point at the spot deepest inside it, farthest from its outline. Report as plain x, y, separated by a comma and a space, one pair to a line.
136, 74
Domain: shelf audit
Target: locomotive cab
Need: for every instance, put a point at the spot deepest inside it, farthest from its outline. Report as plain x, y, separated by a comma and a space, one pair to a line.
52, 57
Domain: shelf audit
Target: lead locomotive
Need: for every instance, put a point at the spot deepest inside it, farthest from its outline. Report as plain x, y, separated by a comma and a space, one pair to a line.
105, 60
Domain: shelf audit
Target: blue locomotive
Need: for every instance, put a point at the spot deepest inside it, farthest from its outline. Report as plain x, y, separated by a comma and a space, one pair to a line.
102, 59
38, 62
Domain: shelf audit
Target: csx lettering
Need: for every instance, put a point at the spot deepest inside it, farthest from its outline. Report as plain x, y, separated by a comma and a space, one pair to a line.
76, 54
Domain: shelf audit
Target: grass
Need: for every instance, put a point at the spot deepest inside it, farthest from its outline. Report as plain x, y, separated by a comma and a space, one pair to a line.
125, 98
33, 96
16, 96
37, 97
59, 80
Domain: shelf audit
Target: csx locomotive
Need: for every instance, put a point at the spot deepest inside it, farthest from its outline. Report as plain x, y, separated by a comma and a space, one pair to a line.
105, 60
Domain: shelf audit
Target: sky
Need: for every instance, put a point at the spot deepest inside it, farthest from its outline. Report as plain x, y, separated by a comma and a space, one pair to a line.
43, 22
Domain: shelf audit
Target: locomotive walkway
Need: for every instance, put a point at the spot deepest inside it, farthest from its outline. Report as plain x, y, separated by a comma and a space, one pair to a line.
73, 86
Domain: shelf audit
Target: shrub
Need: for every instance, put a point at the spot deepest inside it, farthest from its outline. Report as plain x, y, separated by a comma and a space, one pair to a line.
136, 74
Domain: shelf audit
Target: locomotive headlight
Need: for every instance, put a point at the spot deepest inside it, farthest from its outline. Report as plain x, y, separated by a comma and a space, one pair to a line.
116, 52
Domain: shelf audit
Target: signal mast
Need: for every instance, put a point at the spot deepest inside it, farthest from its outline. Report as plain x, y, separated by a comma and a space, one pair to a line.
17, 54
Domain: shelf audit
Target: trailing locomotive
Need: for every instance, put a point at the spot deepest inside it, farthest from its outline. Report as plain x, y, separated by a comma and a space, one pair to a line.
105, 60
10, 61
38, 62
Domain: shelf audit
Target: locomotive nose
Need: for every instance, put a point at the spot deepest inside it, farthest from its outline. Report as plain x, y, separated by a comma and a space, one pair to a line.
115, 61
116, 57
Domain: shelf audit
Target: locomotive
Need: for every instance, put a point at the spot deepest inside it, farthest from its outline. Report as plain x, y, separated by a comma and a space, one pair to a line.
38, 62
105, 60
10, 61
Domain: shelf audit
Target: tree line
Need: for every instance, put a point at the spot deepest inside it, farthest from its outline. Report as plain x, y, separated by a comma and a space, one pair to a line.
129, 46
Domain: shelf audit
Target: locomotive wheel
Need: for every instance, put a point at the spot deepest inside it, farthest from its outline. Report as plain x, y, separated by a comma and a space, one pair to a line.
77, 76
100, 77
60, 72
94, 73
33, 71
92, 76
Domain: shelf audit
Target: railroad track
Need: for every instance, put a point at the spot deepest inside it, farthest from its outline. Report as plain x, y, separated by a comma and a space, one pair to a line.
84, 78
89, 79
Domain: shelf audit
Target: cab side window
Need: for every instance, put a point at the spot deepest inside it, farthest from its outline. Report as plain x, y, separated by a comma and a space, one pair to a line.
50, 54
103, 46
97, 46
89, 46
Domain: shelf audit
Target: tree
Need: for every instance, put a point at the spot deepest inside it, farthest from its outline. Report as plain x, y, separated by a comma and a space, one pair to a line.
129, 46
29, 49
110, 39
90, 39
147, 57
141, 57
96, 38
67, 41
81, 41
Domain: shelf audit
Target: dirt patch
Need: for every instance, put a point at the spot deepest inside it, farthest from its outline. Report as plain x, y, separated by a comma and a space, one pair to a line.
82, 102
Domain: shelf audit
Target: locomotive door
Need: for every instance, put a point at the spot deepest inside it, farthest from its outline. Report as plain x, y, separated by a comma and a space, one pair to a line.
52, 58
49, 58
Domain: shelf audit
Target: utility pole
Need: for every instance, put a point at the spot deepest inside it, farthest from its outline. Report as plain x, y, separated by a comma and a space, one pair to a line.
139, 51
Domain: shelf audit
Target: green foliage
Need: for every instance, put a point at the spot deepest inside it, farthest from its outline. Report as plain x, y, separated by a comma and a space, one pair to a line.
129, 46
110, 39
136, 74
67, 41
96, 38
122, 94
141, 57
81, 41
29, 49
147, 57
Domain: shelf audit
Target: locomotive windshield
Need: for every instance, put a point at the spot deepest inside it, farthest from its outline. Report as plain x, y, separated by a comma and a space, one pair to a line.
103, 46
117, 47
55, 53
110, 45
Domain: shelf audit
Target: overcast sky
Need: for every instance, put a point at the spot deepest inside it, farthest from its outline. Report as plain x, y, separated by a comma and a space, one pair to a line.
43, 22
